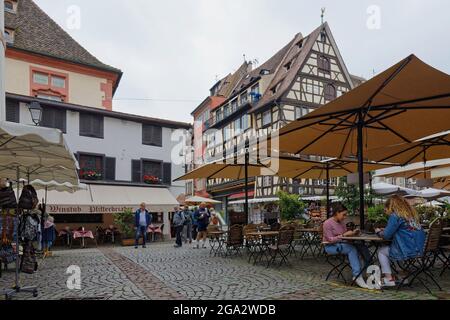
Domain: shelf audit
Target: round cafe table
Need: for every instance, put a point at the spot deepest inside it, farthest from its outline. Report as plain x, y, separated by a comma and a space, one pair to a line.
266, 238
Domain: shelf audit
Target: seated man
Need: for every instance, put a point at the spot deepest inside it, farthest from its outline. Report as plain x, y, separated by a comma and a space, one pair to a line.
333, 231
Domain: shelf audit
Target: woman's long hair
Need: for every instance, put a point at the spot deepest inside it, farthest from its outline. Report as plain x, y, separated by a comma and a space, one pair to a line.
398, 205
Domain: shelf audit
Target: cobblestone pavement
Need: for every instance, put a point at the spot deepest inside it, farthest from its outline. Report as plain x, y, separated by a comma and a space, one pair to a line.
163, 272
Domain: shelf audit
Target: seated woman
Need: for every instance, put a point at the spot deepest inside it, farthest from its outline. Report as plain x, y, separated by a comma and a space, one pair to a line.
406, 233
333, 231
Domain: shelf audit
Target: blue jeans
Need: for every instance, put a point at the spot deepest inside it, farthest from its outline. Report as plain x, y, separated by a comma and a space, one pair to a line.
350, 251
141, 230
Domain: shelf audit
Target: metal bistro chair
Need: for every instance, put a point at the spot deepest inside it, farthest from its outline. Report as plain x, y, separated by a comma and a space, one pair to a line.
235, 240
421, 266
338, 262
282, 247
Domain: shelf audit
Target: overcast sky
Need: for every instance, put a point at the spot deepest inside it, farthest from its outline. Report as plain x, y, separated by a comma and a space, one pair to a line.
172, 51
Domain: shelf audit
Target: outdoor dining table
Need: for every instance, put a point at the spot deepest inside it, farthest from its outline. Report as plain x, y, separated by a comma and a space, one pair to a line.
264, 239
216, 241
372, 240
83, 234
153, 230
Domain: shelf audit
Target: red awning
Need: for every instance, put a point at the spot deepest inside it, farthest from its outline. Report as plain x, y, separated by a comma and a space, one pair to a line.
241, 195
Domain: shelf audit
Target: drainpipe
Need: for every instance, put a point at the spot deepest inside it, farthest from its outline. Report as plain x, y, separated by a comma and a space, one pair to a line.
2, 63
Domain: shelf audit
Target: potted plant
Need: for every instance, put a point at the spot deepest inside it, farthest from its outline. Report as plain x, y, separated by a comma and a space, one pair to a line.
125, 223
376, 218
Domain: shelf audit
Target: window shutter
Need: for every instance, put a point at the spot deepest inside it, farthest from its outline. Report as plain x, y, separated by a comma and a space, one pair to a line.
60, 120
110, 169
91, 125
136, 175
167, 173
84, 124
98, 126
12, 111
152, 135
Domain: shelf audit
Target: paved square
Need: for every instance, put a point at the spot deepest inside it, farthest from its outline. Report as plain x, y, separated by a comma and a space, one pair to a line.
163, 272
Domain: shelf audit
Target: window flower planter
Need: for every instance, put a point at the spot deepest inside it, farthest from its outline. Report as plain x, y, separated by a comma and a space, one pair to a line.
151, 179
90, 175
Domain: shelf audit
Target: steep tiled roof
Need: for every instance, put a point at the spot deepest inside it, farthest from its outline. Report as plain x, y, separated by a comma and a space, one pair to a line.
270, 66
36, 32
295, 56
231, 81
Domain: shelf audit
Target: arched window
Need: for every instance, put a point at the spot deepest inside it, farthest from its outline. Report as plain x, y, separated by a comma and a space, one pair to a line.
330, 92
9, 6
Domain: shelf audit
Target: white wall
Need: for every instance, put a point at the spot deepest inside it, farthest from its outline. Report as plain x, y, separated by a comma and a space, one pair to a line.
122, 140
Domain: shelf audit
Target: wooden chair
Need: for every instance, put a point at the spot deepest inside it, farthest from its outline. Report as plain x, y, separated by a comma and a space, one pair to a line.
282, 246
419, 268
235, 240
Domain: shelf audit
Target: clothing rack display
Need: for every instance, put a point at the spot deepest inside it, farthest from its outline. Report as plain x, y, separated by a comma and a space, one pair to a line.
9, 293
7, 231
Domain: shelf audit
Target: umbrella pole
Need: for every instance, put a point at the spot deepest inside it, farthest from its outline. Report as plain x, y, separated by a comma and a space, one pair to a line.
247, 146
361, 171
328, 191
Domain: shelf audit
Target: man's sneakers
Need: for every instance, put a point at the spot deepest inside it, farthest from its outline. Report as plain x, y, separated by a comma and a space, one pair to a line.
360, 282
135, 247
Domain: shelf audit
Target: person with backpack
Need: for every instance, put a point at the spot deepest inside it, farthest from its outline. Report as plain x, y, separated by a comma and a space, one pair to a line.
178, 224
202, 216
187, 229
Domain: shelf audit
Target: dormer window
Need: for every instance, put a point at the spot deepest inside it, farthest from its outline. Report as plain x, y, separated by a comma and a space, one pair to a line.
288, 66
9, 36
300, 44
264, 72
10, 6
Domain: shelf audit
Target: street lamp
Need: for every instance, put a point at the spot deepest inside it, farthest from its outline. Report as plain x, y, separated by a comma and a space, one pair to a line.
36, 112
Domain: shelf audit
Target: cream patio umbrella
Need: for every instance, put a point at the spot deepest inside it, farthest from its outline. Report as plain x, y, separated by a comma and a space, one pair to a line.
197, 200
24, 150
282, 166
431, 148
409, 101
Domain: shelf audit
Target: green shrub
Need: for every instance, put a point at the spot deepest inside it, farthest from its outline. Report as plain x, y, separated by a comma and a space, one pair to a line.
125, 222
376, 214
290, 206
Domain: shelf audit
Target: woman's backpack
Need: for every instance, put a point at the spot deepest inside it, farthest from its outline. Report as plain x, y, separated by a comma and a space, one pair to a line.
28, 197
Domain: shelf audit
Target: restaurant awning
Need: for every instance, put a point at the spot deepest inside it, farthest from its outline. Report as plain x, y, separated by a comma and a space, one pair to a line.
109, 199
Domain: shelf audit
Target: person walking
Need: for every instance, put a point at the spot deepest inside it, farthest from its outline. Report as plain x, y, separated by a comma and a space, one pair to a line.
142, 219
178, 223
187, 229
202, 215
